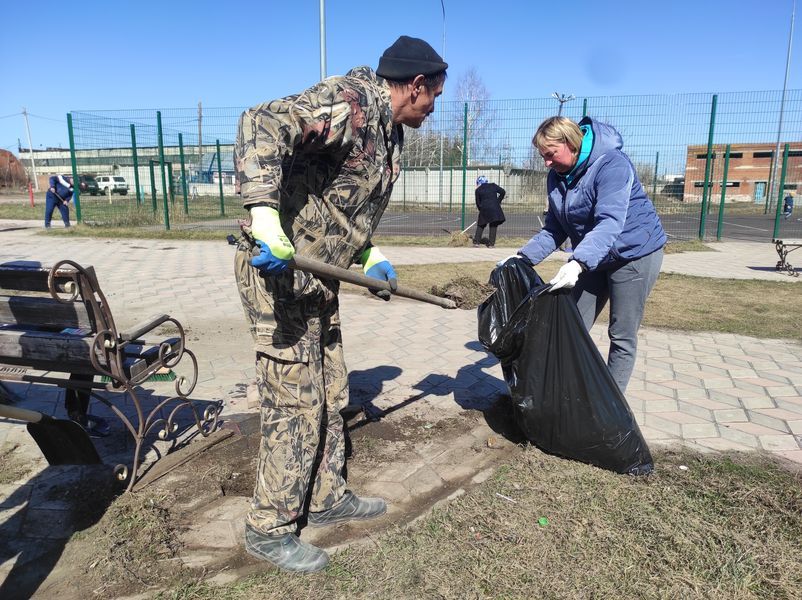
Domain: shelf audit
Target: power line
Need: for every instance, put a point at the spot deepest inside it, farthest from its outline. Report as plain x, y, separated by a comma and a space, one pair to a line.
46, 118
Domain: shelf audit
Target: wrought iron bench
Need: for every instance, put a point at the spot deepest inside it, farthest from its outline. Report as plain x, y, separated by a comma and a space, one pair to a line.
57, 321
784, 248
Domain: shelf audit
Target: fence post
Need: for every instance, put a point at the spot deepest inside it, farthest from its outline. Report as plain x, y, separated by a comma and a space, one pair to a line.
220, 180
585, 107
404, 189
723, 193
703, 215
152, 184
76, 182
136, 166
464, 161
654, 181
161, 170
183, 172
450, 183
780, 194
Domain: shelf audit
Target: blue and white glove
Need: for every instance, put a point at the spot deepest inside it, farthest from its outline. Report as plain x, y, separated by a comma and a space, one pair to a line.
375, 265
567, 276
276, 250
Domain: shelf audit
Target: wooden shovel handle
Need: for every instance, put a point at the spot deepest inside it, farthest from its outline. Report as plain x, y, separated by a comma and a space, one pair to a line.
322, 269
21, 414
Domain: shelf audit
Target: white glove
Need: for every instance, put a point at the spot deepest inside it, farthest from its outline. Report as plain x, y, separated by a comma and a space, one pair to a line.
567, 276
503, 260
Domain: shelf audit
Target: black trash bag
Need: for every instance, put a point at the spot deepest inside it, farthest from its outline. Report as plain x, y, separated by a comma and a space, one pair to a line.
565, 400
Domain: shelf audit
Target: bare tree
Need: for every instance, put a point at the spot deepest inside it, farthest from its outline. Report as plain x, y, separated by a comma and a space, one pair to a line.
471, 89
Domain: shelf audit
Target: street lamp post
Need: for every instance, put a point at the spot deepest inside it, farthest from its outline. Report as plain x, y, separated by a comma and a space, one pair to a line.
322, 40
562, 99
772, 190
440, 194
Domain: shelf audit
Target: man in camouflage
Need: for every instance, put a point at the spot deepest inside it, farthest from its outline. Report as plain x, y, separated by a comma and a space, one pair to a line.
315, 171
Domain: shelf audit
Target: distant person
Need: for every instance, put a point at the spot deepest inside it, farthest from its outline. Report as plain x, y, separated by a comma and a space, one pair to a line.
788, 206
596, 200
488, 200
59, 194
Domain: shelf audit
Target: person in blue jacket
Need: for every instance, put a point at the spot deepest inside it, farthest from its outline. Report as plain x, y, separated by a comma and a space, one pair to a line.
59, 194
596, 200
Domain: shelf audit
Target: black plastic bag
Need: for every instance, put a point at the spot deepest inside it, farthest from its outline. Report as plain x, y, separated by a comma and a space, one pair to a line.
565, 400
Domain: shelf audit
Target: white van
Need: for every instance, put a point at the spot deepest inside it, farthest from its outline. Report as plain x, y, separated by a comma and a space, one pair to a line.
114, 183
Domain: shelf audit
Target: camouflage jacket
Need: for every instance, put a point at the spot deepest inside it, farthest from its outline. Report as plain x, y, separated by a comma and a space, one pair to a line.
326, 159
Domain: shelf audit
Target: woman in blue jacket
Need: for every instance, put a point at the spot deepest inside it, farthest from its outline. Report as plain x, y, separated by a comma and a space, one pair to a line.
597, 200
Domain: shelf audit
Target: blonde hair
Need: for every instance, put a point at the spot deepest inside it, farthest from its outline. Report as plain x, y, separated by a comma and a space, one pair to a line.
558, 130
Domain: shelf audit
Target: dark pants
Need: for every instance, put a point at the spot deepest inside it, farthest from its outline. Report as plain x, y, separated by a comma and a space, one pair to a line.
51, 204
491, 239
77, 402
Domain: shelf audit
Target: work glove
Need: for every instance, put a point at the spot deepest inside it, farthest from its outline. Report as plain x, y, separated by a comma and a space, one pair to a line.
567, 276
511, 256
375, 265
276, 250
504, 260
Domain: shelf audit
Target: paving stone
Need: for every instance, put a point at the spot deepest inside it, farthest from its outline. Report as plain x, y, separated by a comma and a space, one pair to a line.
698, 430
773, 443
723, 444
731, 415
727, 432
424, 481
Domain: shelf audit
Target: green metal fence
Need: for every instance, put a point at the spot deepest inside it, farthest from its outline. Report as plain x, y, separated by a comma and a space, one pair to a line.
177, 163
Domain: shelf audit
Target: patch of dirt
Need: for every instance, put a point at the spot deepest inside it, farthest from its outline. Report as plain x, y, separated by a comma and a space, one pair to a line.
466, 291
136, 545
12, 466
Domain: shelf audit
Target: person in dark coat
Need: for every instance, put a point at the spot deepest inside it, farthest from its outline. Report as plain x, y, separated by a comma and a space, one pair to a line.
788, 206
488, 201
59, 194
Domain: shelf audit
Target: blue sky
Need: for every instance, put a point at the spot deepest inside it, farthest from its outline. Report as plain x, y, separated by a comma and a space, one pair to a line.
89, 55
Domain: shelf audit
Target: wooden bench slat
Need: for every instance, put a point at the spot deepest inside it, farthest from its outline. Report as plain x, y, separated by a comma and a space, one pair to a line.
65, 353
31, 276
43, 312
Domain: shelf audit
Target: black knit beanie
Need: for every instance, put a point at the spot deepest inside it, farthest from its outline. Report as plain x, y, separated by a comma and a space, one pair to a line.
408, 57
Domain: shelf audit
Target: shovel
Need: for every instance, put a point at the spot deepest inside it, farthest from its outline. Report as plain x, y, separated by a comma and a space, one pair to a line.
321, 269
62, 442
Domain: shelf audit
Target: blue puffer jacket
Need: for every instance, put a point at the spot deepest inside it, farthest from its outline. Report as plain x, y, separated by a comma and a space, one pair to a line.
64, 192
602, 207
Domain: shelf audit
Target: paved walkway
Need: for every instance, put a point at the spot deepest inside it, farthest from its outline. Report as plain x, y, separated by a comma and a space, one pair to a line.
709, 391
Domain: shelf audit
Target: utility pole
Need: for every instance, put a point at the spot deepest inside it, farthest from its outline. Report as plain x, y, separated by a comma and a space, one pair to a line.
322, 40
772, 191
440, 193
562, 99
200, 139
30, 150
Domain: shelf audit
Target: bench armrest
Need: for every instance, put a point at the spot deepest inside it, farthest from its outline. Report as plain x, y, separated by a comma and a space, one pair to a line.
142, 328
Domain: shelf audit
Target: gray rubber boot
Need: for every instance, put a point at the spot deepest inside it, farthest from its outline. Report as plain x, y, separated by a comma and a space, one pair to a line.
286, 551
351, 508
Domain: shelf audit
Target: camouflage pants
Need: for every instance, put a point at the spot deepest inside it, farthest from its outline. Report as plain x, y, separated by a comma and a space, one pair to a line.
302, 391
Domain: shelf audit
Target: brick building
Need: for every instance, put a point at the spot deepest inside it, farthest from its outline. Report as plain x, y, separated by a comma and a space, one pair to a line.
749, 171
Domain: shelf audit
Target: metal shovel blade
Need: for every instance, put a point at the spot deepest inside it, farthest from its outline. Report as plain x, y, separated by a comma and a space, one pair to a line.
62, 442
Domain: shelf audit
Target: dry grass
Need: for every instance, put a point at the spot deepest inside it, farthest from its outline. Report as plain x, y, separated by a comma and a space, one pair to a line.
727, 527
134, 543
763, 309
